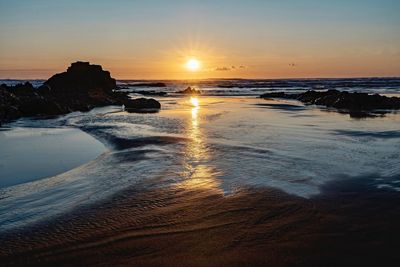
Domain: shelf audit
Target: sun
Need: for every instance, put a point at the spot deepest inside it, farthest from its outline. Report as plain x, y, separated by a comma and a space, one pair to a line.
193, 64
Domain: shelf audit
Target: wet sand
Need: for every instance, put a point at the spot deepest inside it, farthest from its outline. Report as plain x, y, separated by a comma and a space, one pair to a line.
349, 224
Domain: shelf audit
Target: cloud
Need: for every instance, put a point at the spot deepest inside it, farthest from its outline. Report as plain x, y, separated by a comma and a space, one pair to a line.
233, 67
222, 69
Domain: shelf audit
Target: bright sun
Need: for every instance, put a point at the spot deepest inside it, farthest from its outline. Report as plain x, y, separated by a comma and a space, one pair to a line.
193, 64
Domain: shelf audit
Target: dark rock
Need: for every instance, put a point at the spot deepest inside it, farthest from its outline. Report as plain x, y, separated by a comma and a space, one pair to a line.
8, 105
354, 103
143, 105
44, 89
81, 77
189, 91
82, 87
25, 100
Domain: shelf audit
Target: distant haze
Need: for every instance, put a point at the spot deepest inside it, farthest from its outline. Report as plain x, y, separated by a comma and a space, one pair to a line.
245, 39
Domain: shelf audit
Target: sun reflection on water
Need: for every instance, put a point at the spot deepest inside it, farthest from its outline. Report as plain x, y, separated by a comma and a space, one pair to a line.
198, 173
196, 149
194, 101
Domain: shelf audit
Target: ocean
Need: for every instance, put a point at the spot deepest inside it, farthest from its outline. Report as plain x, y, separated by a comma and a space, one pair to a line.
243, 87
224, 140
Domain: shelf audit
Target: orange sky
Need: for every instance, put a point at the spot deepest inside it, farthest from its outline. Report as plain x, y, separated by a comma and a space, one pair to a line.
153, 40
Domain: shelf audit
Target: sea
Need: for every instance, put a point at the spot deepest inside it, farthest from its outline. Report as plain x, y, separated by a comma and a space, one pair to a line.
225, 139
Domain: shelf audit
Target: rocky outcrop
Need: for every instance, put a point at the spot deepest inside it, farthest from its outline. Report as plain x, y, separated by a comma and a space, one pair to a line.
352, 102
143, 105
81, 77
189, 91
82, 87
8, 103
25, 100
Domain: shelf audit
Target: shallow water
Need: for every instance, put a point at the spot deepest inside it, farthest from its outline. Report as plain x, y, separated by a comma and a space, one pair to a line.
29, 154
214, 143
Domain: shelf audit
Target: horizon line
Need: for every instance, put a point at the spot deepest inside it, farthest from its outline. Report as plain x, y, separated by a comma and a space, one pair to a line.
221, 78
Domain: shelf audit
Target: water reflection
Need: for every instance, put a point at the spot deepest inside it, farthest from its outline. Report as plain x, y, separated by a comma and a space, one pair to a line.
196, 149
198, 172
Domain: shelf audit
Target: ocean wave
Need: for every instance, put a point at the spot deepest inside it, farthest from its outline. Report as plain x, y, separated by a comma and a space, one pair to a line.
247, 87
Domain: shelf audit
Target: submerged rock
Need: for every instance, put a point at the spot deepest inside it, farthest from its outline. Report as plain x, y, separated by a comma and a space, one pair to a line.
354, 103
189, 91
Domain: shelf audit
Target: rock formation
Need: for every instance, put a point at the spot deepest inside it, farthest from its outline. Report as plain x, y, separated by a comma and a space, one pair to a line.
189, 91
143, 105
82, 87
353, 103
81, 77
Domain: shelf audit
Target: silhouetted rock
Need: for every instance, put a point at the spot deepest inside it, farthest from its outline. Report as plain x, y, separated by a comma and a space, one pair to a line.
8, 105
356, 103
82, 87
189, 91
143, 105
81, 77
24, 100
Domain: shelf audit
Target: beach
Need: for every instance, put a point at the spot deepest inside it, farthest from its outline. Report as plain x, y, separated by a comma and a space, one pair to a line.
348, 225
199, 133
214, 181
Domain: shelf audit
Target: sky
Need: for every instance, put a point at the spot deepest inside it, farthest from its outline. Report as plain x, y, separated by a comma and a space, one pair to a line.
152, 39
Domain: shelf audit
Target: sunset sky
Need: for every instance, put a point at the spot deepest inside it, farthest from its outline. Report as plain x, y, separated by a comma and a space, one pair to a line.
245, 39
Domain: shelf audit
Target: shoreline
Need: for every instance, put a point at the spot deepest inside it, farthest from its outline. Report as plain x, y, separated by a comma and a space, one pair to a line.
348, 223
190, 221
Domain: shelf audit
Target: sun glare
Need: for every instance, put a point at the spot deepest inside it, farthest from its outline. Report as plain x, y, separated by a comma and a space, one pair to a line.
193, 64
194, 101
